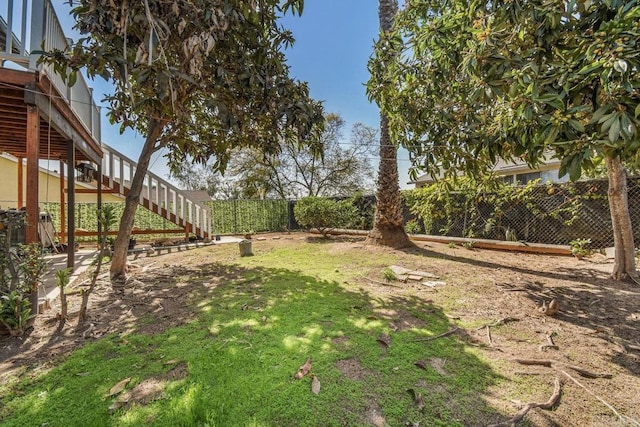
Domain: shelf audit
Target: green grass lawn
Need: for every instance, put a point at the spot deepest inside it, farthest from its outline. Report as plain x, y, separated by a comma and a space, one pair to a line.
233, 363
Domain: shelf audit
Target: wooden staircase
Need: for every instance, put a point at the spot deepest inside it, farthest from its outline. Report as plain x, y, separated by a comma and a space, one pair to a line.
158, 195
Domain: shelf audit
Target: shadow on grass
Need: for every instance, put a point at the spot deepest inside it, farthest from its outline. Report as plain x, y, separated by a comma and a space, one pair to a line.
226, 352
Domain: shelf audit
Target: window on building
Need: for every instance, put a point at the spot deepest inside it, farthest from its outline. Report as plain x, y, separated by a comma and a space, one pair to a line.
506, 179
525, 178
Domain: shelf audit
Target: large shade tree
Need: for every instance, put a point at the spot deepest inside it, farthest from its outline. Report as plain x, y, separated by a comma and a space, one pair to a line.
297, 171
339, 170
388, 227
482, 80
198, 77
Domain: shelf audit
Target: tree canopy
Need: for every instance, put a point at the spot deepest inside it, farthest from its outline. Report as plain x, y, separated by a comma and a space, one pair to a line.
471, 81
214, 73
341, 167
479, 80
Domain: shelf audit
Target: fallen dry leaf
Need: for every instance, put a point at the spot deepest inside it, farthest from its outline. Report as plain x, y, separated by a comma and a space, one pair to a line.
438, 364
315, 385
417, 398
118, 387
303, 370
384, 340
116, 405
422, 364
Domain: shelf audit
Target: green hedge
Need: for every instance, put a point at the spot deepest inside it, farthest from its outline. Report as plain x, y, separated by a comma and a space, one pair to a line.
241, 216
86, 218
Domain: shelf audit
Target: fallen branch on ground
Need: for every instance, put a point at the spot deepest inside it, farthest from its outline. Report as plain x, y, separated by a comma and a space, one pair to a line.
529, 406
377, 282
546, 362
623, 418
489, 335
588, 374
550, 344
442, 335
539, 362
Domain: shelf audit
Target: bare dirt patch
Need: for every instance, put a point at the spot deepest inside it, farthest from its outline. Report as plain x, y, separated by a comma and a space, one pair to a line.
144, 392
352, 369
401, 320
373, 415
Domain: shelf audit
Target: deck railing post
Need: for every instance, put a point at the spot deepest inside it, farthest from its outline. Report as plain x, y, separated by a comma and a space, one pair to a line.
38, 27
9, 35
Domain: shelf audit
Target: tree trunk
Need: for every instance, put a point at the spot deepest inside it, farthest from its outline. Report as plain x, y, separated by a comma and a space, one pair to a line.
118, 268
388, 227
625, 262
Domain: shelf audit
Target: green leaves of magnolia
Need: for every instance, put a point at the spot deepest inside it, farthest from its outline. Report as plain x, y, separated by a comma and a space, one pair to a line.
476, 80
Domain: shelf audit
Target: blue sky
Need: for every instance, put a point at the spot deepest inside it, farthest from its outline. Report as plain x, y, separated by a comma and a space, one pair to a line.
334, 39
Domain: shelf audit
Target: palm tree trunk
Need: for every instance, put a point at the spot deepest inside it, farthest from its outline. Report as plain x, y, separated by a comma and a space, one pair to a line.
388, 227
118, 268
624, 262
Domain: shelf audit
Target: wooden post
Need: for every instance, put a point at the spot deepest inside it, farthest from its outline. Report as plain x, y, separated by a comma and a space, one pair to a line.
20, 183
33, 149
99, 200
63, 208
71, 217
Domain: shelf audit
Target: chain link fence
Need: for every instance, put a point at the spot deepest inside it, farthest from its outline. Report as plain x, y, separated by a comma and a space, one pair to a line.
553, 214
86, 218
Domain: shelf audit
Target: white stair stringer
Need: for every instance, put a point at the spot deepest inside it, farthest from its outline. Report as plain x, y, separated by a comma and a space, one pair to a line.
158, 195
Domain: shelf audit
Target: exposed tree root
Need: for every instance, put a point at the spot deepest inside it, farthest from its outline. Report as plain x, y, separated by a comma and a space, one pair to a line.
548, 363
499, 322
442, 335
539, 362
588, 374
377, 282
549, 404
550, 344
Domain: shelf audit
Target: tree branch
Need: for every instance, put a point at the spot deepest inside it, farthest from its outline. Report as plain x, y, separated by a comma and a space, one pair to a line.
549, 404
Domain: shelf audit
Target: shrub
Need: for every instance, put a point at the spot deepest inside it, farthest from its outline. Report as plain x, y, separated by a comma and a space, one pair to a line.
412, 227
15, 312
579, 248
324, 214
389, 275
21, 270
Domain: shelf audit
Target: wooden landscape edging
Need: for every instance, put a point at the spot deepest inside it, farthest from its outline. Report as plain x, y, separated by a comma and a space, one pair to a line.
538, 248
